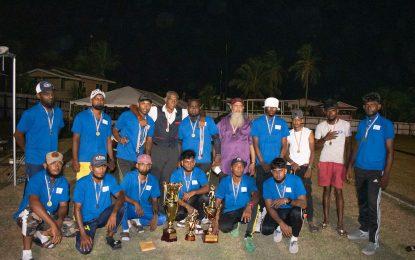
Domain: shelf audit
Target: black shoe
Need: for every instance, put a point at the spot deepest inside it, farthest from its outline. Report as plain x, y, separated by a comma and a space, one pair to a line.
114, 244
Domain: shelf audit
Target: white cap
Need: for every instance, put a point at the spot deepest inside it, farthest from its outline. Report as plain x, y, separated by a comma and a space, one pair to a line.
271, 102
96, 92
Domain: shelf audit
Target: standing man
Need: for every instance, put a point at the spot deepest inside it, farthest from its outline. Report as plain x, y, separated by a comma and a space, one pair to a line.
165, 151
301, 157
91, 135
38, 129
269, 135
372, 160
334, 136
285, 200
235, 137
196, 133
94, 208
238, 195
133, 132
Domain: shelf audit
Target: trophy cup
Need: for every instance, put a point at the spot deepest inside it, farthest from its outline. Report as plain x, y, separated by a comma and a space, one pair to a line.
211, 212
171, 196
191, 221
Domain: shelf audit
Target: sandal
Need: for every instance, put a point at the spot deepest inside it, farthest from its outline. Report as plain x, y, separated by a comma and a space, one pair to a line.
48, 244
313, 228
341, 232
114, 244
324, 225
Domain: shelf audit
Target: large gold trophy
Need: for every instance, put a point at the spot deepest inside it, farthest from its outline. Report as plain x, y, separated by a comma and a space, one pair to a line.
211, 212
171, 197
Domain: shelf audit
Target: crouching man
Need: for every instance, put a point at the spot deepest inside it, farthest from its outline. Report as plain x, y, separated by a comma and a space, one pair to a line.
94, 208
43, 209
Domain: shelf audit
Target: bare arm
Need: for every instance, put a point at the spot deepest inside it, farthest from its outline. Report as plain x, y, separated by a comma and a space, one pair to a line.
300, 202
20, 139
148, 145
109, 149
389, 161
284, 147
78, 218
39, 210
312, 150
258, 154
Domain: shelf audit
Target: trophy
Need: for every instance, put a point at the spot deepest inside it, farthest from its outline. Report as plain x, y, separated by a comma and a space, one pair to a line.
171, 197
211, 212
191, 221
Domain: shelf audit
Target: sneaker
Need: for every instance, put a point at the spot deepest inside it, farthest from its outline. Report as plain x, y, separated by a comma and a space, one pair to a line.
181, 223
205, 221
249, 244
370, 249
136, 224
125, 236
235, 232
358, 235
199, 231
293, 248
277, 235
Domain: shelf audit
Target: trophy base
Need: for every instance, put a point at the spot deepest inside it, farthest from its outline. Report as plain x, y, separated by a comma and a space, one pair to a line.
210, 238
190, 238
169, 236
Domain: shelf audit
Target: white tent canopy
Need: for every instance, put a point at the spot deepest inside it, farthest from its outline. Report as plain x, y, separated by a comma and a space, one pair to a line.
122, 97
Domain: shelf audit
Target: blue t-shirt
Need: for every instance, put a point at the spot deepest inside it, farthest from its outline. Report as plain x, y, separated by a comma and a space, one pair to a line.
86, 193
59, 192
291, 188
371, 153
196, 181
269, 144
192, 143
39, 139
90, 144
128, 126
149, 190
243, 194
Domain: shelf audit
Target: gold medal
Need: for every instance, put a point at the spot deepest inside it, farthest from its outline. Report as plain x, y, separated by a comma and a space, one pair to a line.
97, 133
49, 203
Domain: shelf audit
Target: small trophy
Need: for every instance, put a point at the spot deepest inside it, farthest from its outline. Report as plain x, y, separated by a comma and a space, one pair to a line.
211, 212
191, 221
171, 197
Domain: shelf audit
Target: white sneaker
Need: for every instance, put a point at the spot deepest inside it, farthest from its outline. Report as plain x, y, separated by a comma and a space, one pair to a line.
293, 248
358, 235
198, 226
260, 217
277, 235
370, 249
181, 223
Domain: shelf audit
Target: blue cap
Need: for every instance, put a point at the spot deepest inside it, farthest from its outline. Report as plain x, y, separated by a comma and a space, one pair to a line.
237, 160
99, 160
44, 86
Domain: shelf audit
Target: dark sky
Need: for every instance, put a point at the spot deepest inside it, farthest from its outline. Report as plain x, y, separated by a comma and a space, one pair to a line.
180, 45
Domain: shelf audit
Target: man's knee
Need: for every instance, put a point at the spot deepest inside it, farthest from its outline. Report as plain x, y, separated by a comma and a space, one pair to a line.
296, 213
226, 226
267, 229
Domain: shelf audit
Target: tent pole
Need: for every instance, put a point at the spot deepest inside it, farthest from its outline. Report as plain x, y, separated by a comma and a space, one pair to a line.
14, 121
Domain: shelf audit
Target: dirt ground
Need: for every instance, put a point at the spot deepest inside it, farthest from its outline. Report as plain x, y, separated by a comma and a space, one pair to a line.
397, 231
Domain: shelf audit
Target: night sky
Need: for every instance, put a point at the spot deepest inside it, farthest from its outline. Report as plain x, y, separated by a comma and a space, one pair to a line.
181, 45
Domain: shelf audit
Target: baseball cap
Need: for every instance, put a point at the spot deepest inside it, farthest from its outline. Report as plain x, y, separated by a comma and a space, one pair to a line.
44, 86
271, 102
54, 156
144, 98
330, 104
297, 113
144, 158
237, 160
99, 160
235, 100
96, 92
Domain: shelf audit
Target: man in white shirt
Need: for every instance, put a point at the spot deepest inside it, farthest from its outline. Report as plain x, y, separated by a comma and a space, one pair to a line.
301, 157
333, 135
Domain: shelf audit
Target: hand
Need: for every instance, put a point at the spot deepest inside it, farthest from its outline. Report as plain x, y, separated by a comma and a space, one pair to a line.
56, 234
307, 174
279, 202
86, 242
286, 230
188, 195
266, 167
138, 209
111, 164
251, 169
216, 161
246, 215
124, 140
75, 165
384, 181
295, 167
349, 175
153, 222
330, 135
112, 221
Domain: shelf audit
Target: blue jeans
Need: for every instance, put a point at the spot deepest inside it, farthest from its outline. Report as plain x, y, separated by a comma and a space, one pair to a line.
130, 213
92, 225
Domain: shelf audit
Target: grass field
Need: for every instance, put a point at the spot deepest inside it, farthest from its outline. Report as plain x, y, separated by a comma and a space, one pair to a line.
397, 229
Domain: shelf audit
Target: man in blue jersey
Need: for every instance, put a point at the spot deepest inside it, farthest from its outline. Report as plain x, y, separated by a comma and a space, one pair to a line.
38, 129
372, 161
141, 198
238, 195
285, 199
133, 132
91, 135
43, 209
94, 207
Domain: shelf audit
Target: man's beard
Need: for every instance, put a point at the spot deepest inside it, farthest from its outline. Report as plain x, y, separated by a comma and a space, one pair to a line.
52, 175
144, 173
48, 104
97, 177
237, 119
98, 107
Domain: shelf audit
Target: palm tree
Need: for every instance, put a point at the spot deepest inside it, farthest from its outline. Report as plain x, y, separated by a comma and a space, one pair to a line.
306, 68
274, 72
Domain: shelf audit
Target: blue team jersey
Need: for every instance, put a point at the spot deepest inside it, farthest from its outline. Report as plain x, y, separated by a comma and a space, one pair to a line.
291, 188
192, 182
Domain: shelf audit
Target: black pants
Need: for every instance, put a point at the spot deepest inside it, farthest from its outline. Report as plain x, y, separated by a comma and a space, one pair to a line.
307, 185
123, 167
293, 217
229, 220
368, 197
197, 203
260, 177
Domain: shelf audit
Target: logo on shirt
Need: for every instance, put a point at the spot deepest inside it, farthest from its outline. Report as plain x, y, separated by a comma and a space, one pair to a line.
105, 189
194, 182
376, 127
59, 190
105, 122
244, 189
288, 189
148, 187
278, 127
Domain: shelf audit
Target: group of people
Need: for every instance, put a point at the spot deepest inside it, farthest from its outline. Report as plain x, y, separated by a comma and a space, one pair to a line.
264, 170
